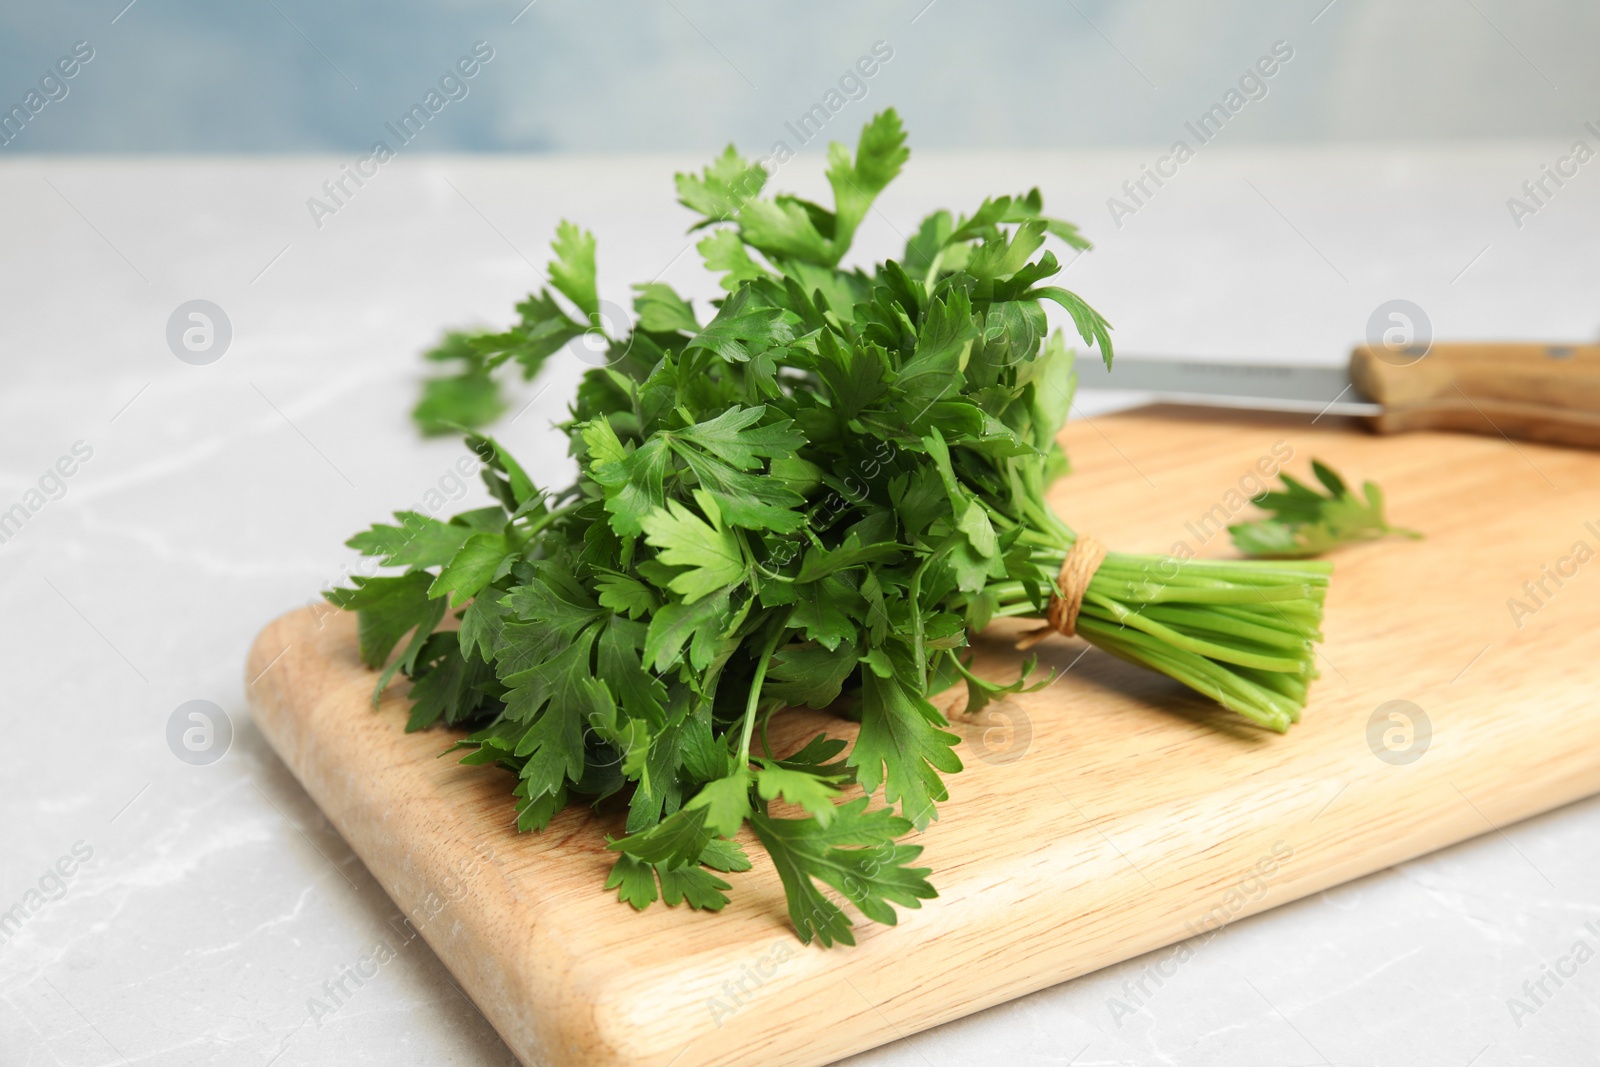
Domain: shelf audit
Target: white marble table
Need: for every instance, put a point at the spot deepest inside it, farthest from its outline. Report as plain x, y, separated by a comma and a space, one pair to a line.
215, 901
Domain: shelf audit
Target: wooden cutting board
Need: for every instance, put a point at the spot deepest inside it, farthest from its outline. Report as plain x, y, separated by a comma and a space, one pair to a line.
1113, 813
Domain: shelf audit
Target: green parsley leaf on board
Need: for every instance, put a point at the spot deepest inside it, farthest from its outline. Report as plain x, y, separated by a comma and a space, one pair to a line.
808, 494
1305, 522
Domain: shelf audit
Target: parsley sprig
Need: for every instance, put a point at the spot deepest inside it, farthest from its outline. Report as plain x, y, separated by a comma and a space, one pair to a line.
1304, 522
811, 498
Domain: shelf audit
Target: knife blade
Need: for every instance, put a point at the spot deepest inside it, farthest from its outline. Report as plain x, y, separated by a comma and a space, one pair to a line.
1512, 389
1317, 390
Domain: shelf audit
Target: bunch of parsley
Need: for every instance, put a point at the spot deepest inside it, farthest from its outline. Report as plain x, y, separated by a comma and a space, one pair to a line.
810, 499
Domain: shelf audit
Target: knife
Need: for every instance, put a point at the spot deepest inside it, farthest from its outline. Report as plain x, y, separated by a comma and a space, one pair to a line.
1538, 392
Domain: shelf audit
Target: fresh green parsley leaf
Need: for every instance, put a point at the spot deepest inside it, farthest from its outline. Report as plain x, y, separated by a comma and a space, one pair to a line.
699, 888
387, 608
709, 553
1305, 522
474, 566
470, 397
625, 594
736, 335
903, 747
661, 310
880, 154
856, 856
634, 880
722, 188
725, 254
572, 270
419, 541
726, 802
813, 793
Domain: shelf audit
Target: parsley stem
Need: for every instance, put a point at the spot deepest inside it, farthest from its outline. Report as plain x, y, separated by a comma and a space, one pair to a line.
527, 533
779, 633
1239, 631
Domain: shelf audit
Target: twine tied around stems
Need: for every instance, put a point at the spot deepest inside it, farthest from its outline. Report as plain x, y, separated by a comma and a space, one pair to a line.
1061, 616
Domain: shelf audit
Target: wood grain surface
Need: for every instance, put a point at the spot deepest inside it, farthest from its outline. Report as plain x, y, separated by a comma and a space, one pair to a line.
1105, 816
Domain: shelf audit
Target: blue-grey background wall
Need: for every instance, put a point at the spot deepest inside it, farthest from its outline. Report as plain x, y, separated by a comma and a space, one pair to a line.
637, 75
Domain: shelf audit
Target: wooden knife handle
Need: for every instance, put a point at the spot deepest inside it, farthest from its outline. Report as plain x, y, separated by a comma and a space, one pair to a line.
1537, 392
